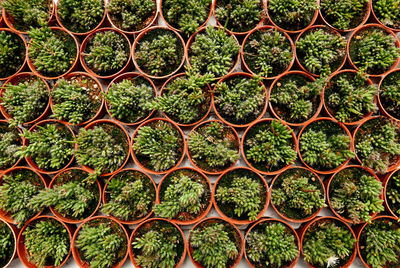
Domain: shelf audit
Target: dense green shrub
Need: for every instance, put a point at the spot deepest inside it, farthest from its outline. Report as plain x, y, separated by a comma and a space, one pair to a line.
7, 244
387, 12
344, 14
10, 144
390, 94
393, 193
12, 54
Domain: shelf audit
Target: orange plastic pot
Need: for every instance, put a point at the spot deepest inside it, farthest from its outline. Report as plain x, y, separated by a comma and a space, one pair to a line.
375, 18
380, 102
386, 181
14, 232
26, 52
20, 141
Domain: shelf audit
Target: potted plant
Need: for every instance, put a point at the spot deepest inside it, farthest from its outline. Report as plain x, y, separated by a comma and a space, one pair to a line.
44, 242
131, 16
240, 99
24, 99
214, 242
373, 49
129, 97
184, 196
262, 248
378, 242
377, 144
295, 97
10, 145
240, 195
80, 17
328, 242
269, 146
297, 194
76, 99
320, 50
129, 196
385, 12
212, 50
100, 242
267, 52
13, 53
389, 98
158, 52
325, 145
350, 97
8, 243
392, 193
158, 145
213, 147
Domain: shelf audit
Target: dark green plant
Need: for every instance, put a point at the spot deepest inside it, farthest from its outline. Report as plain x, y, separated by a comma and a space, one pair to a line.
213, 146
47, 242
52, 52
213, 51
80, 16
12, 53
267, 52
390, 94
377, 144
344, 14
10, 144
7, 244
131, 15
387, 12
393, 193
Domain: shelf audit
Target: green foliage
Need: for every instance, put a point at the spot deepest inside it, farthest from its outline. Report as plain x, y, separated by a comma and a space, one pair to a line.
355, 195
7, 244
393, 193
344, 14
47, 242
387, 12
390, 94
10, 144
213, 52
80, 16
12, 53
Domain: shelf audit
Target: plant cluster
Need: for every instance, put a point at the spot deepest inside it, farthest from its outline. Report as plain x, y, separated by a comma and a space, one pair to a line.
390, 94
344, 14
386, 11
47, 242
393, 193
10, 145
7, 244
268, 52
12, 53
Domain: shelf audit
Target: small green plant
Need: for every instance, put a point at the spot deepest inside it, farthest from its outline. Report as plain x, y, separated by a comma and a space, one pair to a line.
328, 243
269, 146
130, 196
387, 12
321, 51
298, 194
47, 242
377, 144
263, 248
213, 51
12, 53
324, 145
158, 145
129, 100
52, 52
80, 16
10, 144
213, 146
393, 193
390, 94
267, 52
159, 52
7, 244
373, 50
240, 99
344, 14
349, 97
131, 15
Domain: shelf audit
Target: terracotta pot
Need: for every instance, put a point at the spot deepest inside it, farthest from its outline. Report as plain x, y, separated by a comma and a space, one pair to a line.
386, 181
25, 56
147, 224
15, 79
244, 136
14, 232
244, 75
288, 226
375, 18
135, 46
75, 252
20, 141
203, 177
238, 234
22, 250
238, 221
130, 76
380, 102
136, 158
105, 196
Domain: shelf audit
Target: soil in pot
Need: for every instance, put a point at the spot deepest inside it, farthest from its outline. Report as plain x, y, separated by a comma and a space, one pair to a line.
392, 194
389, 96
387, 12
10, 145
7, 244
13, 53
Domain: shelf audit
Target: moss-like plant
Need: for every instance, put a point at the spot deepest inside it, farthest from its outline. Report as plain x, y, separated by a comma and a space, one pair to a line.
324, 145
12, 53
321, 51
129, 100
390, 94
267, 52
213, 51
159, 52
130, 196
76, 99
7, 244
52, 52
387, 12
213, 146
298, 194
269, 146
377, 144
393, 193
263, 248
47, 242
240, 99
344, 14
10, 144
80, 16
349, 96
373, 50
158, 145
328, 243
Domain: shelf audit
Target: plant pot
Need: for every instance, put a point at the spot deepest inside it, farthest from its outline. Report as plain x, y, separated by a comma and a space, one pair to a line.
148, 224
24, 46
18, 141
223, 210
381, 22
14, 231
386, 185
382, 103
